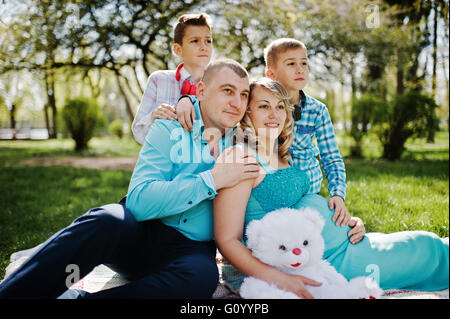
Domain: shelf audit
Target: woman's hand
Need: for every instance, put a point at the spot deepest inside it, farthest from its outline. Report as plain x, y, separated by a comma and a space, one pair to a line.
164, 111
297, 285
358, 230
341, 214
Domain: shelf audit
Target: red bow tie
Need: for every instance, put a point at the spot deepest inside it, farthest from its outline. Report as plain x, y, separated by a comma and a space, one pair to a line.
187, 88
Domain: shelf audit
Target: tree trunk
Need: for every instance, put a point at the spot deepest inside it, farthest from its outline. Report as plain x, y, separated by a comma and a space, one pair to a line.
432, 126
343, 105
400, 78
50, 86
47, 122
444, 68
13, 121
144, 65
435, 26
141, 89
124, 94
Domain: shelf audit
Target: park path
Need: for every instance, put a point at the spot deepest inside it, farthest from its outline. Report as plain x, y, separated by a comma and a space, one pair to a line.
125, 163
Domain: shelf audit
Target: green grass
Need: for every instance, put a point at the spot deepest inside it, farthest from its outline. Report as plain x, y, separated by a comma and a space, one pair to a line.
38, 201
399, 196
410, 194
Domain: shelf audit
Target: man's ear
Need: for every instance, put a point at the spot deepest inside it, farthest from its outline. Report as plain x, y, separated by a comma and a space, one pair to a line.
270, 74
177, 49
200, 92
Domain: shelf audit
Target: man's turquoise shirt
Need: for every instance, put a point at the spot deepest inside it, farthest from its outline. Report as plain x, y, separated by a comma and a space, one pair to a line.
172, 180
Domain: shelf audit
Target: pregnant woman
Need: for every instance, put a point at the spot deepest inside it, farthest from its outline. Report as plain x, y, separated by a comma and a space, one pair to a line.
415, 260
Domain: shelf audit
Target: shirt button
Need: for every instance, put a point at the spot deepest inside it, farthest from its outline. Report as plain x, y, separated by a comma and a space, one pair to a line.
190, 202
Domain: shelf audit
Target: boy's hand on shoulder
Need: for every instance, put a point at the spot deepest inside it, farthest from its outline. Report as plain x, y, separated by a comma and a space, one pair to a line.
164, 111
186, 112
341, 214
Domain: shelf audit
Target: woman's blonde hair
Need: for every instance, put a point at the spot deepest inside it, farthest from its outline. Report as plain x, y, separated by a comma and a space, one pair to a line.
286, 136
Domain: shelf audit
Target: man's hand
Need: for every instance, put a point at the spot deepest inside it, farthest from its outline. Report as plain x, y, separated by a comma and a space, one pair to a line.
232, 167
340, 211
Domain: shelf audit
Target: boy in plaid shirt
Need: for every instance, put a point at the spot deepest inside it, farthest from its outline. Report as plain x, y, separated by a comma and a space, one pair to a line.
193, 44
287, 62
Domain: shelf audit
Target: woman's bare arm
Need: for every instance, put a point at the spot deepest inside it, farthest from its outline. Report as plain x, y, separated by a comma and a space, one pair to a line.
229, 214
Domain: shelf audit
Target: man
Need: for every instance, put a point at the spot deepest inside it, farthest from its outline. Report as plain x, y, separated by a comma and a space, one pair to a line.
162, 238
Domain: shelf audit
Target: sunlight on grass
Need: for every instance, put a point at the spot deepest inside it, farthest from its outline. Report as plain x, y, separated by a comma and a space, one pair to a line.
14, 151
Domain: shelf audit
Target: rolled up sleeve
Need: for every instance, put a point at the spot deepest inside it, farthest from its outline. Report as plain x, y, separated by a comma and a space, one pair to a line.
331, 159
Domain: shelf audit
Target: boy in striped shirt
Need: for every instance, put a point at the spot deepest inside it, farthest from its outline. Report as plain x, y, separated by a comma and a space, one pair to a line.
193, 44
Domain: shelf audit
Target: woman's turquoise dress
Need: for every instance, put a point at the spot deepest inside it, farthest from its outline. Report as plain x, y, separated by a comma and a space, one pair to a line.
416, 260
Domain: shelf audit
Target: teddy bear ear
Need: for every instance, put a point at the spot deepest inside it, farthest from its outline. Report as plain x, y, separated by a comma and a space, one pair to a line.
314, 216
253, 233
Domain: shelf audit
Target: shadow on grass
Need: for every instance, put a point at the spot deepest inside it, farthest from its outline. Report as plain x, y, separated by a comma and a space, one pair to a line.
12, 152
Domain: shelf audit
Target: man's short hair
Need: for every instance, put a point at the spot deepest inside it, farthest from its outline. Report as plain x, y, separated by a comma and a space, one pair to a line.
273, 50
201, 19
214, 67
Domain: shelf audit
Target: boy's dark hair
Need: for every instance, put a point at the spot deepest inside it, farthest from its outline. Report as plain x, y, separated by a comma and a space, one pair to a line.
215, 66
201, 19
278, 46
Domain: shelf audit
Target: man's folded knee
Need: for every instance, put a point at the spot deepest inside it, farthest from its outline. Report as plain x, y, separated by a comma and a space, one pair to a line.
111, 217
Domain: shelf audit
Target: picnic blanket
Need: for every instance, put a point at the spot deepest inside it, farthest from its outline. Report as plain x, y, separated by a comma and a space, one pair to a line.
102, 277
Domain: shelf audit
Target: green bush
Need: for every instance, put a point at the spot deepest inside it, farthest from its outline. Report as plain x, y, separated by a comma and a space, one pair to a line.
81, 116
406, 116
116, 128
364, 112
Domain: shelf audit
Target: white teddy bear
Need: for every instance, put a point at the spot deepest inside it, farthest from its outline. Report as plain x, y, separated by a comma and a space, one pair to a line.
291, 241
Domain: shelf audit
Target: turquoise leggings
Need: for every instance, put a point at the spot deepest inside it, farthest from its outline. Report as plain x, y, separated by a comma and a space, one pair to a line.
415, 260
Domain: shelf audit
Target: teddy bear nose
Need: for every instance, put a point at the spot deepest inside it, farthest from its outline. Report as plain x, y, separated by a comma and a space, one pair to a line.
296, 251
